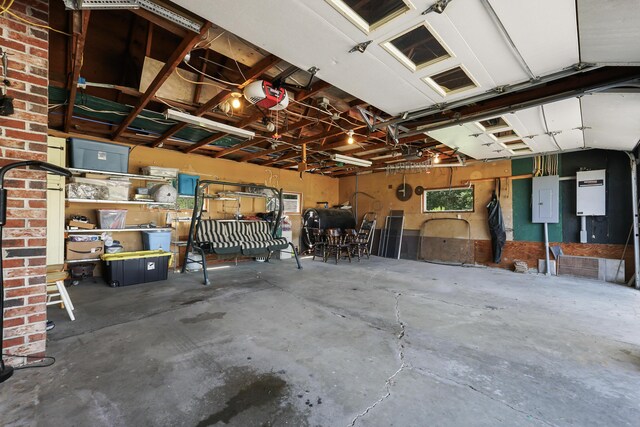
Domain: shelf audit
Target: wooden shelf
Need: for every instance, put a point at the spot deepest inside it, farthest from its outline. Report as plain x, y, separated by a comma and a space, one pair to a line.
120, 202
124, 175
117, 230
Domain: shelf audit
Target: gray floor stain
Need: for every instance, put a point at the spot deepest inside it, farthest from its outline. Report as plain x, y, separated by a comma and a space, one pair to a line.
265, 389
204, 317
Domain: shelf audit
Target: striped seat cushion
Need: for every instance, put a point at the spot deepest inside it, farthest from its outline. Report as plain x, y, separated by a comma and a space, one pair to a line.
211, 230
258, 231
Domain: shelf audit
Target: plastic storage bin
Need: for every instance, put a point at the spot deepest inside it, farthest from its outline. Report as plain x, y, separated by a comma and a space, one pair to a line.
112, 219
187, 184
153, 240
101, 156
158, 171
131, 268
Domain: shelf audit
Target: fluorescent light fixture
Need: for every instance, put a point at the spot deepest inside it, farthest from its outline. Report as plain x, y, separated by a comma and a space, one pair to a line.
351, 160
208, 124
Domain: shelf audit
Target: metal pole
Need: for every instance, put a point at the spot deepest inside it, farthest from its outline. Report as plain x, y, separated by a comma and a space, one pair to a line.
546, 249
634, 205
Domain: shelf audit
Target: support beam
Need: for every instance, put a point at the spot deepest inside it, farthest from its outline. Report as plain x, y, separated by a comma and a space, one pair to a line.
256, 71
80, 25
169, 67
634, 204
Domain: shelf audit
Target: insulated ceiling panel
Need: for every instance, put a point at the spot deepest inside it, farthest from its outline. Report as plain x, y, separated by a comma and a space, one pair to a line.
315, 33
609, 31
612, 120
564, 120
544, 32
469, 142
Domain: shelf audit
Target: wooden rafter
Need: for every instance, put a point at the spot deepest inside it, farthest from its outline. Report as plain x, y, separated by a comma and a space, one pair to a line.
256, 71
80, 25
178, 55
321, 85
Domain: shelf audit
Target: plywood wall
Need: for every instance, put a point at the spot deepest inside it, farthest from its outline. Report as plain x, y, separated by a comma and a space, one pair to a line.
380, 196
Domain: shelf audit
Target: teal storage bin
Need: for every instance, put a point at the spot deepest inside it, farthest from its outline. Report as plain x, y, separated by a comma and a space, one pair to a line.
153, 240
187, 184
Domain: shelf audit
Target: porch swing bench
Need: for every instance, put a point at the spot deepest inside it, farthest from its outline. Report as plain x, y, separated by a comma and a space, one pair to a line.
233, 237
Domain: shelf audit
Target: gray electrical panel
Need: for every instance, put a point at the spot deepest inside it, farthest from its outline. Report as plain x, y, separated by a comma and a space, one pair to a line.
591, 193
546, 199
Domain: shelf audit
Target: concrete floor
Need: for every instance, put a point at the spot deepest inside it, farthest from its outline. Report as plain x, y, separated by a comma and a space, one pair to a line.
375, 343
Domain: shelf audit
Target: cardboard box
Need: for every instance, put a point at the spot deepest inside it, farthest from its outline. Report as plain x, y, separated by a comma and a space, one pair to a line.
84, 250
82, 225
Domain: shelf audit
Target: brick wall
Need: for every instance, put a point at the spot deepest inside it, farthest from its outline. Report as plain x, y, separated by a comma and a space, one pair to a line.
23, 136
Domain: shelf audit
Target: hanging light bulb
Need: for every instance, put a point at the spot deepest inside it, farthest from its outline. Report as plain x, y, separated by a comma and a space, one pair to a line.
350, 140
436, 158
235, 102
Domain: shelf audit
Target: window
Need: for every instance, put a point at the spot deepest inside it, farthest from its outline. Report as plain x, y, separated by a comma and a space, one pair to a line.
448, 200
491, 125
506, 135
292, 203
515, 144
417, 48
451, 81
370, 14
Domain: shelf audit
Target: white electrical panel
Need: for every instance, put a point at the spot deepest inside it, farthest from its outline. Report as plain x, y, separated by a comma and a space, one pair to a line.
591, 193
545, 201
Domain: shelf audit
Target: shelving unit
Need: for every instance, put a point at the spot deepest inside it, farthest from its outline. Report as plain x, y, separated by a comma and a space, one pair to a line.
118, 230
120, 202
130, 229
76, 171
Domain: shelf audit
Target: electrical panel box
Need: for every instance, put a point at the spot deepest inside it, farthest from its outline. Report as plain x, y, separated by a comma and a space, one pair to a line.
546, 199
591, 193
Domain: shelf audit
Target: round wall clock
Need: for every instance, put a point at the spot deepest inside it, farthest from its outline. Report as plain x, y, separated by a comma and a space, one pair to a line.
419, 190
403, 192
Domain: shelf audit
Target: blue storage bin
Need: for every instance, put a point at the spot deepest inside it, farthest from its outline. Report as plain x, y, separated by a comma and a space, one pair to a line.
100, 156
187, 184
153, 240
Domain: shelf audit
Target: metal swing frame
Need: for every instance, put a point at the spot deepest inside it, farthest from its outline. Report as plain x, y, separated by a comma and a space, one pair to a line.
201, 194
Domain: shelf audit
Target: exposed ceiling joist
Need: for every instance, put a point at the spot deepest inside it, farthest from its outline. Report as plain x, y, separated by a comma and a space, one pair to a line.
80, 22
178, 55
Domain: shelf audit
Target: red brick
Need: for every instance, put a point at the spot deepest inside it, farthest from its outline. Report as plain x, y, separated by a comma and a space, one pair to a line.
12, 243
37, 299
31, 41
27, 213
25, 272
13, 283
15, 124
24, 291
37, 223
24, 194
22, 311
37, 337
20, 47
37, 261
38, 71
15, 203
37, 318
17, 321
37, 203
38, 185
29, 136
22, 155
42, 35
26, 232
37, 280
13, 263
14, 183
42, 53
11, 342
38, 127
14, 223
17, 26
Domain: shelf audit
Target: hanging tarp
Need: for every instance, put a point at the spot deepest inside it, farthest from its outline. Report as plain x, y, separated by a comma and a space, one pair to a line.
496, 228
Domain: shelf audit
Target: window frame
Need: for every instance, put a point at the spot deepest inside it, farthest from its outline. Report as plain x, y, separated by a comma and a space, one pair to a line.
431, 190
352, 16
299, 202
436, 87
404, 60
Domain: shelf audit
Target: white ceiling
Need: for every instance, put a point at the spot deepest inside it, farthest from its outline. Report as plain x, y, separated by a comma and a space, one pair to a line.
544, 32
